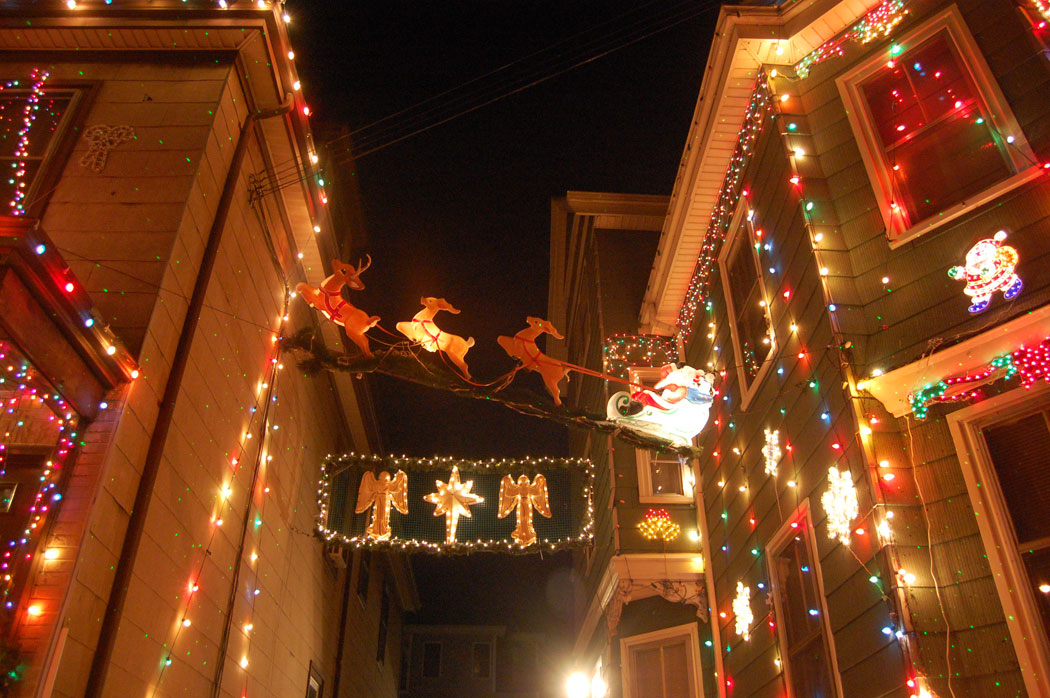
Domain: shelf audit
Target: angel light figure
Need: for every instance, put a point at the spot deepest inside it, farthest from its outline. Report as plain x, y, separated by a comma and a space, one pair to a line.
380, 493
523, 495
989, 268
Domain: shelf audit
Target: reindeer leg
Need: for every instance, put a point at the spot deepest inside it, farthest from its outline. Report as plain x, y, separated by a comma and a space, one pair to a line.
458, 360
552, 387
361, 341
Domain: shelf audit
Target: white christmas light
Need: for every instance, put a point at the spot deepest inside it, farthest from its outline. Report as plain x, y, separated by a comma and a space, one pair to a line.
840, 504
742, 611
771, 451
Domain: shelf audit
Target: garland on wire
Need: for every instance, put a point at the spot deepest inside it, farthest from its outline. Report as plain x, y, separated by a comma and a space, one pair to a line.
1030, 363
878, 23
620, 352
400, 361
758, 110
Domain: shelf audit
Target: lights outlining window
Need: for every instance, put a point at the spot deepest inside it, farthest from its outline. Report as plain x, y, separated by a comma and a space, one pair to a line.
806, 649
31, 121
750, 322
936, 136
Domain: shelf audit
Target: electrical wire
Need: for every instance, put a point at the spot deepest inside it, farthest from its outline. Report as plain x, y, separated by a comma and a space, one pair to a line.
461, 106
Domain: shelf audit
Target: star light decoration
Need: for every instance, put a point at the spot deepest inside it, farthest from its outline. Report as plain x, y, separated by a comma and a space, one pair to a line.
771, 451
840, 504
657, 525
743, 618
453, 499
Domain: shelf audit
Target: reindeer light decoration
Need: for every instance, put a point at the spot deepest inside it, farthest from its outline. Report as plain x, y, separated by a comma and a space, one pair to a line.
428, 335
523, 496
381, 493
522, 347
328, 298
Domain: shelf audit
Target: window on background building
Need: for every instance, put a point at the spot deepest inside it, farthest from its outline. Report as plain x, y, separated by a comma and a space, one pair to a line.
1018, 450
662, 476
802, 626
750, 324
936, 136
24, 154
662, 664
314, 683
482, 660
364, 559
431, 660
384, 617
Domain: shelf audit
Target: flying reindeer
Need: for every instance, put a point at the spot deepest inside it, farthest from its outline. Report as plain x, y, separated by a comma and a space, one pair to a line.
328, 298
425, 333
522, 347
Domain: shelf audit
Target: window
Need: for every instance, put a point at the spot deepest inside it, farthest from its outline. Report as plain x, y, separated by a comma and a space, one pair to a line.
936, 136
384, 615
482, 664
1018, 451
7, 495
431, 660
749, 321
662, 664
22, 156
803, 629
662, 475
314, 683
1001, 443
364, 559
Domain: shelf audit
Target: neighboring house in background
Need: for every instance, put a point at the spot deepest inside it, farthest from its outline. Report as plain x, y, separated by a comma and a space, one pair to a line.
641, 608
872, 483
474, 661
159, 467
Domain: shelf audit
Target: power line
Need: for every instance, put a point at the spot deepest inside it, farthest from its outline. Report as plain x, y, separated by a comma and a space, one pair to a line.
534, 77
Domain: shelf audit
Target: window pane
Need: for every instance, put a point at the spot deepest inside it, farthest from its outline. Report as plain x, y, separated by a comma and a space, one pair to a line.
676, 671
481, 660
648, 673
743, 275
665, 473
933, 129
1020, 453
431, 659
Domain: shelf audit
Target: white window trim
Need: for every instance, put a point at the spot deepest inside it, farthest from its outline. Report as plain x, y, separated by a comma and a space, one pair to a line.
1020, 157
742, 224
645, 374
997, 532
773, 547
688, 630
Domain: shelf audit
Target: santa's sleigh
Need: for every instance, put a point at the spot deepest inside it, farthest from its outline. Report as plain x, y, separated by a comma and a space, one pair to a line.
647, 413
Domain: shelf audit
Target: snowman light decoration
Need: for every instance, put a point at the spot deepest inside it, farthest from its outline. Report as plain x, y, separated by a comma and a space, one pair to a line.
989, 268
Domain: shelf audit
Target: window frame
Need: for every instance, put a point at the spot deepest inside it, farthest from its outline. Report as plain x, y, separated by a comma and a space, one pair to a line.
1018, 157
1020, 609
473, 655
423, 659
743, 224
314, 679
688, 631
774, 547
643, 459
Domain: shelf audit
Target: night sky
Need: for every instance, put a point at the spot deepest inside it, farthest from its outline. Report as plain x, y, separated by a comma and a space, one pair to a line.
463, 210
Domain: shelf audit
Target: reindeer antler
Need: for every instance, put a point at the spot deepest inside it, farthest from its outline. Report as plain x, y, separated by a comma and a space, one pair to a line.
361, 269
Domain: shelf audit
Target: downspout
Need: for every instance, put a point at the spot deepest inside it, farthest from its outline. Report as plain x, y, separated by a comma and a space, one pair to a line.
118, 594
342, 632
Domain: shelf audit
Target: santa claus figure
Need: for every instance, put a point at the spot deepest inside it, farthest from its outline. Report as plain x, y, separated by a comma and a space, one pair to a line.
989, 268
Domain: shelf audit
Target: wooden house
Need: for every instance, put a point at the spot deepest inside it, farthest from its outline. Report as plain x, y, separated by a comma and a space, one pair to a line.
857, 247
160, 453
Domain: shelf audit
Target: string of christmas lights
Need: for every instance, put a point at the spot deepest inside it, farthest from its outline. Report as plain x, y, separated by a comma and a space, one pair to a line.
28, 116
657, 525
621, 352
33, 414
876, 24
759, 110
1030, 363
